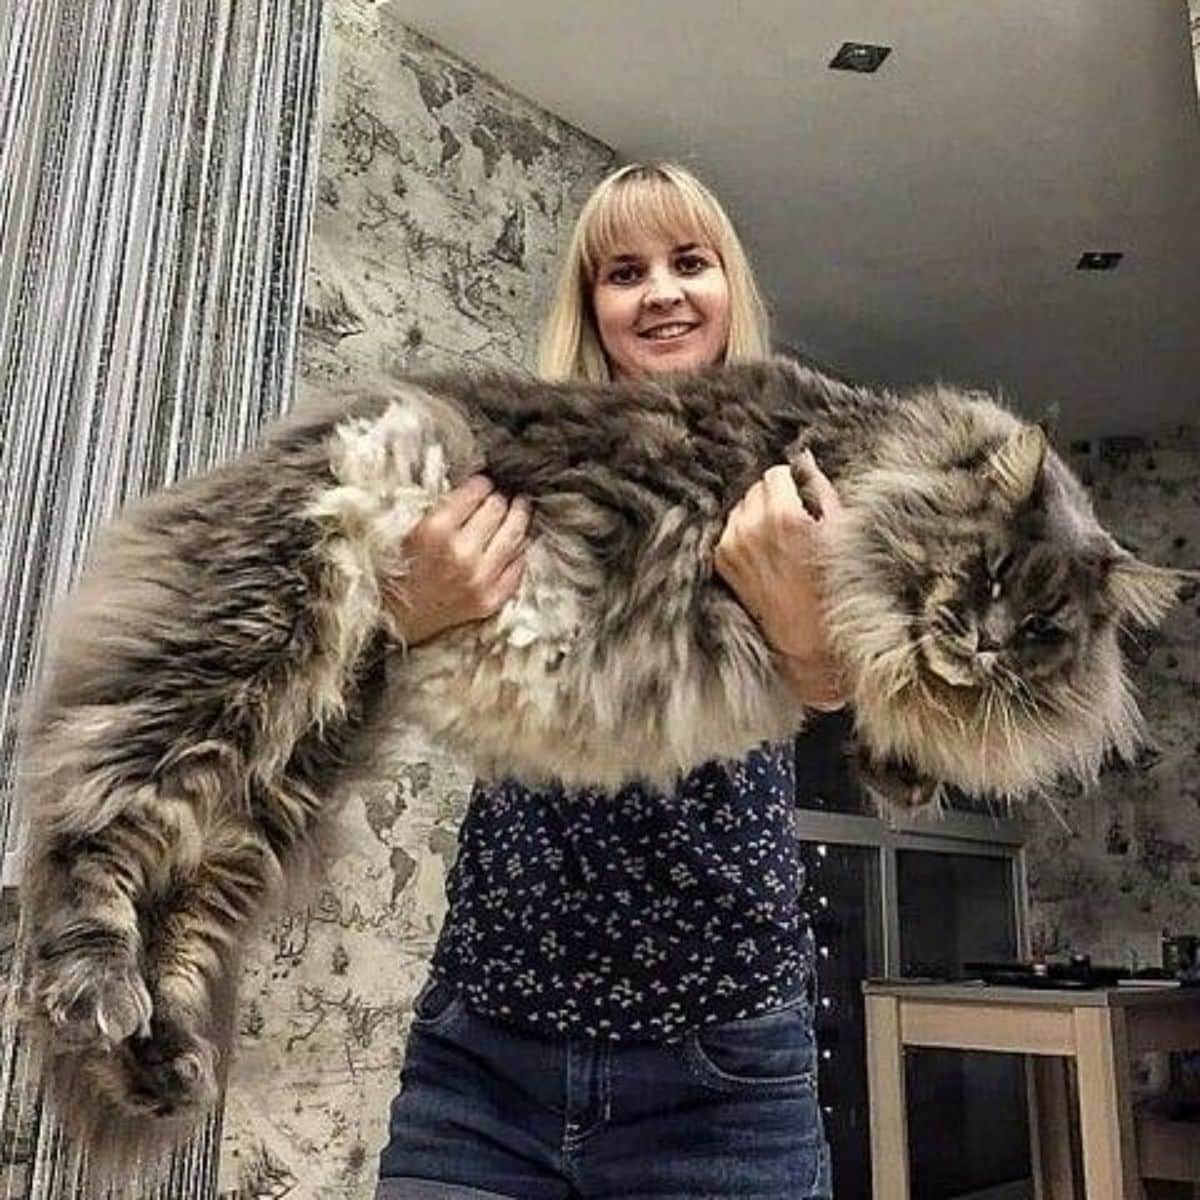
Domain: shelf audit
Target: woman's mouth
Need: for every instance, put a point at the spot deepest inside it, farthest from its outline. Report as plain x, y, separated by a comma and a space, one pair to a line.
668, 332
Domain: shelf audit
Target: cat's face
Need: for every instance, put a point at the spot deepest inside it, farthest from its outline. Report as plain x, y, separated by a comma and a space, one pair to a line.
975, 600
1009, 580
1020, 592
1007, 611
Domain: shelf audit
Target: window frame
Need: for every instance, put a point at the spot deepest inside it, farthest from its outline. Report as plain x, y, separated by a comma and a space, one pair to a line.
947, 832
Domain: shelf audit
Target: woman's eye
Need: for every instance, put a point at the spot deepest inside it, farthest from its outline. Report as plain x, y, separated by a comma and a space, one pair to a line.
691, 264
625, 273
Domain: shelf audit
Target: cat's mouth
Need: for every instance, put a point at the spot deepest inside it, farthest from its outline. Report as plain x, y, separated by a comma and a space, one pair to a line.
948, 666
960, 665
949, 650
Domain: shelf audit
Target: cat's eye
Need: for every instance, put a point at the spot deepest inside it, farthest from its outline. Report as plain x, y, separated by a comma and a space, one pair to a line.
1038, 627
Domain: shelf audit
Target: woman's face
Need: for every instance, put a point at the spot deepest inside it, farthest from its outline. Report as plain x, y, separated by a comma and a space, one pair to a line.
661, 304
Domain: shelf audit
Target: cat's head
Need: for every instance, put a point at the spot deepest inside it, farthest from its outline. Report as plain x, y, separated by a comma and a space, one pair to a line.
978, 600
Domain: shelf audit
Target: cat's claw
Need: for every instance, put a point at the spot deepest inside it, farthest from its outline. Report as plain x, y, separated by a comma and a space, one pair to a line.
169, 1072
93, 1000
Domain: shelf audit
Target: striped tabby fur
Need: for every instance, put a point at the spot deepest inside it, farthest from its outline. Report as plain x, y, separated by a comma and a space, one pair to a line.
228, 660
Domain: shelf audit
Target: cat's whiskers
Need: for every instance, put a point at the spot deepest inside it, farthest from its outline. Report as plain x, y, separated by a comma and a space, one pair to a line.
1072, 702
1008, 725
1016, 687
1035, 719
985, 699
895, 670
1045, 797
928, 697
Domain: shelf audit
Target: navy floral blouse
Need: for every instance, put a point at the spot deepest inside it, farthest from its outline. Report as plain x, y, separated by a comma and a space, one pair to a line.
639, 915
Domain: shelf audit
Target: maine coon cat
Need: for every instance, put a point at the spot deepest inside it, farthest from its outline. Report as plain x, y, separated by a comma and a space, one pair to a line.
228, 658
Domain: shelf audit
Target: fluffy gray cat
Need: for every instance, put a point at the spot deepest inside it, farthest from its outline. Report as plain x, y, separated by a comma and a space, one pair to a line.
229, 657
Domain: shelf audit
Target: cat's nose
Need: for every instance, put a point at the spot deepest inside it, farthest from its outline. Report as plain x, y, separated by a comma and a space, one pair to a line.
987, 643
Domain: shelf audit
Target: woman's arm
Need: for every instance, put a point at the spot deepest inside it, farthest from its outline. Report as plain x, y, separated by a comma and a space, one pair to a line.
769, 554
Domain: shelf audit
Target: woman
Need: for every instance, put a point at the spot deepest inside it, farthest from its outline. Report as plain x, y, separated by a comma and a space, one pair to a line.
620, 1003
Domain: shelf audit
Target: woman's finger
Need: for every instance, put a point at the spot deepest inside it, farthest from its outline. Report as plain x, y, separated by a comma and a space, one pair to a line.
753, 505
723, 553
818, 488
508, 541
480, 527
460, 504
783, 497
506, 582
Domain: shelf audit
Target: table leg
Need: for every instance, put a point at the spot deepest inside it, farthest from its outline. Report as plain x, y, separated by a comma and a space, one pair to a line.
1050, 1128
885, 1077
1110, 1162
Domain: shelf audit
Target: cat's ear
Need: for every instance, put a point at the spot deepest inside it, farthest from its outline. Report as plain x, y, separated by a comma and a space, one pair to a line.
1017, 464
1049, 420
1143, 593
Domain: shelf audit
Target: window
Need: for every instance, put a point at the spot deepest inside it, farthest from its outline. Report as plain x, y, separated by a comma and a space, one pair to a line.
910, 896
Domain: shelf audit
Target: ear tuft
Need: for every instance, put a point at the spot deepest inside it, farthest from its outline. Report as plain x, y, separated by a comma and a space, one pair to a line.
1048, 422
1142, 592
1017, 464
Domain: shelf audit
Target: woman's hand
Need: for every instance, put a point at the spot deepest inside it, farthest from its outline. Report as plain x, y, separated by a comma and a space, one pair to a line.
461, 561
769, 554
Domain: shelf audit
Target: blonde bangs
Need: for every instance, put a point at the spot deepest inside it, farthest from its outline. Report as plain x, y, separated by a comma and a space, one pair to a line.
640, 203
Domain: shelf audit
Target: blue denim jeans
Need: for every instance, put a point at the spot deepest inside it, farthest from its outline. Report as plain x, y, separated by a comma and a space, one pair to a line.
486, 1110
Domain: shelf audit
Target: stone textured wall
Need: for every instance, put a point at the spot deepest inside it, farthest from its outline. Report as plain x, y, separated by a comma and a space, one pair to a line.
443, 203
1124, 863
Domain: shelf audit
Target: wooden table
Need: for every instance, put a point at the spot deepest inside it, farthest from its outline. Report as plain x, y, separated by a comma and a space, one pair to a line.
1100, 1030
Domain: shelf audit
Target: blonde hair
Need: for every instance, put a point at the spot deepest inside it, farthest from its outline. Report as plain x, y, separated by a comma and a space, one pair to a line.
659, 198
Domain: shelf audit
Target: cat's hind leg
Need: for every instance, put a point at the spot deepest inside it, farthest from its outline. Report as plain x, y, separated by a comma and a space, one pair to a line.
191, 938
86, 891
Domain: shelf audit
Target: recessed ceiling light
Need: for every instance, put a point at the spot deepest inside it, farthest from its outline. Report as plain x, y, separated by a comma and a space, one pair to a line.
1099, 260
859, 56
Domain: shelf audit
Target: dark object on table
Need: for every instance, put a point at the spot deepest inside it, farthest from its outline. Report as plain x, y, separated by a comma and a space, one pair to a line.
1181, 954
1079, 972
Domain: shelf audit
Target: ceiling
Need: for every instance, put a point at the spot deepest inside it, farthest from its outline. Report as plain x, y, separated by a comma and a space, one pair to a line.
922, 222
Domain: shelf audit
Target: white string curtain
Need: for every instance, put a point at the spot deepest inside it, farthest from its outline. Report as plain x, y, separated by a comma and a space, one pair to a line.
157, 169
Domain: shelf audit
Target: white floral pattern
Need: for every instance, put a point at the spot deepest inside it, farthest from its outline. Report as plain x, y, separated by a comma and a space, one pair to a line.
639, 915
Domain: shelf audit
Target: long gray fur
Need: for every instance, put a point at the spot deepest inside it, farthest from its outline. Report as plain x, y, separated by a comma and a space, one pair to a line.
228, 662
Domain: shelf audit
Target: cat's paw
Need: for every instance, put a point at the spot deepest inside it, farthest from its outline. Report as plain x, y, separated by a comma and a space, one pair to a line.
90, 999
895, 785
170, 1072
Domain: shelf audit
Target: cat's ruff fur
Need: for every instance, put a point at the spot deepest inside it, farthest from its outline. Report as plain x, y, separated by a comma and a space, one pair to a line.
229, 658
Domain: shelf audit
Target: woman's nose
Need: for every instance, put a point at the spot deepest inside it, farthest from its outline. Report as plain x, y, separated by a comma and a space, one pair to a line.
662, 290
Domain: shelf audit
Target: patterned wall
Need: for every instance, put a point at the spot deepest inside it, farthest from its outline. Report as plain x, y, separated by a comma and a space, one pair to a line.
443, 201
1123, 864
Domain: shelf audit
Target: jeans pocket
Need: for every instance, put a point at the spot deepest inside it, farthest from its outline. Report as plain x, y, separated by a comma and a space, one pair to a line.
437, 1006
774, 1049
